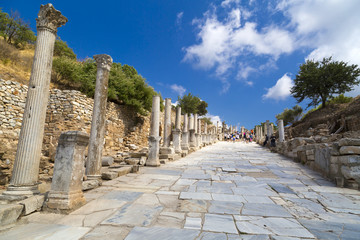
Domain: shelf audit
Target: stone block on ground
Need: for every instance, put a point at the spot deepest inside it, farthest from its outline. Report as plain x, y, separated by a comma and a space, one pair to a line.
138, 154
32, 204
122, 170
107, 161
132, 161
9, 213
109, 175
142, 161
350, 160
349, 150
349, 142
90, 184
167, 150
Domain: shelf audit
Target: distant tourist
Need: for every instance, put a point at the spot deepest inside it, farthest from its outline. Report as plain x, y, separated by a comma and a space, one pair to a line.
266, 140
272, 141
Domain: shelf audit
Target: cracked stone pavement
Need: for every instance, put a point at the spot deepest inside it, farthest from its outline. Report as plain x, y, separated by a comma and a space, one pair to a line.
224, 191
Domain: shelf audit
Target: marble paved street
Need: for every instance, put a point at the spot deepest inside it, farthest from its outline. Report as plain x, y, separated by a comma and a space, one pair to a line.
223, 191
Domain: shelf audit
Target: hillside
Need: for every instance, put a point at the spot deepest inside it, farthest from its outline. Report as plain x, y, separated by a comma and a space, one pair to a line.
332, 116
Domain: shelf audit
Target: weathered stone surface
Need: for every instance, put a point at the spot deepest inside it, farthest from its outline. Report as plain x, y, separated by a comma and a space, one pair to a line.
161, 233
107, 161
349, 142
350, 159
32, 204
132, 161
122, 170
9, 213
109, 175
90, 184
219, 223
350, 150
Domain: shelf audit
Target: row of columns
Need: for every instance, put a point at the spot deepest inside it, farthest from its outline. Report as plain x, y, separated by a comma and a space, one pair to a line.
185, 140
268, 130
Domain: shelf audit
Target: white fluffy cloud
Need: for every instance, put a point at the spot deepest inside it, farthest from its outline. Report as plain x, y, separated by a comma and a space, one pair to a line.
180, 90
214, 119
222, 42
281, 90
229, 34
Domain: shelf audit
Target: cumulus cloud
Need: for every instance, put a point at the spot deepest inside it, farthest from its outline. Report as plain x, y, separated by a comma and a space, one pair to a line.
281, 90
231, 34
180, 90
222, 42
214, 119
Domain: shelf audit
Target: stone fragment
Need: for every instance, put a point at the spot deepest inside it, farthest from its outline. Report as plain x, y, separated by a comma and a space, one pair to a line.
9, 213
349, 142
32, 204
109, 175
90, 184
350, 150
107, 161
142, 161
350, 159
219, 223
132, 161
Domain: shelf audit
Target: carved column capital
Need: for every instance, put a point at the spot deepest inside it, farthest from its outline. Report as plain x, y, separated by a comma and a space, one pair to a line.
103, 61
50, 18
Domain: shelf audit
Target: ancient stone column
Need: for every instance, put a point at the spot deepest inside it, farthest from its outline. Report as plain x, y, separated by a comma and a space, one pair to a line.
154, 138
199, 142
281, 130
192, 133
97, 132
176, 132
196, 134
267, 128
205, 140
167, 123
66, 188
271, 129
26, 166
185, 134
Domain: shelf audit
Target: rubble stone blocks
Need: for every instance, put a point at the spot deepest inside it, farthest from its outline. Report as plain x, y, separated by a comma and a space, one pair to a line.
9, 213
349, 142
177, 132
154, 138
26, 166
96, 143
66, 187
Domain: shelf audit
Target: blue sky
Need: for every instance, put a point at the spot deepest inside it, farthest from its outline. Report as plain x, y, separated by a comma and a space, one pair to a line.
239, 56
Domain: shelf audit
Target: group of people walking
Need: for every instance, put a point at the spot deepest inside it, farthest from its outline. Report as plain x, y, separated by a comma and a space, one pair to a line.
247, 136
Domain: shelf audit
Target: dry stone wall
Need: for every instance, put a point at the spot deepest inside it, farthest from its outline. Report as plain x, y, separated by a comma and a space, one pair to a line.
67, 110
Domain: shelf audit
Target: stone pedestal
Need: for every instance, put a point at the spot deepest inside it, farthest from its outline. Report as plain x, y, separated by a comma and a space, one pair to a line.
177, 140
154, 148
192, 138
66, 187
97, 132
167, 154
25, 173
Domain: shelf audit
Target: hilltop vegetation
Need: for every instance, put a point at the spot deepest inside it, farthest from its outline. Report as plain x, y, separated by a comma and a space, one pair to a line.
126, 86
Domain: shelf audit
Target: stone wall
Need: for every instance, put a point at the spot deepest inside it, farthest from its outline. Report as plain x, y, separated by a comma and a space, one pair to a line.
337, 158
67, 110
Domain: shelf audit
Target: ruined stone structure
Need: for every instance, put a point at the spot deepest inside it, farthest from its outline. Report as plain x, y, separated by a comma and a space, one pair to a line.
26, 167
177, 132
66, 187
154, 138
185, 134
96, 143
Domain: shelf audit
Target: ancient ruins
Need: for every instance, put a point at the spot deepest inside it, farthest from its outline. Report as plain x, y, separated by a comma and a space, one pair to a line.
88, 167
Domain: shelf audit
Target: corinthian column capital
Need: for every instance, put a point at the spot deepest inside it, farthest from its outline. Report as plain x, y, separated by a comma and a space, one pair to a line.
50, 18
103, 61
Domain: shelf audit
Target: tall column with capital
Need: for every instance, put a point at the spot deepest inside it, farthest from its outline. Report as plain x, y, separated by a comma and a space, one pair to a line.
196, 130
97, 132
154, 138
166, 151
205, 134
199, 142
26, 166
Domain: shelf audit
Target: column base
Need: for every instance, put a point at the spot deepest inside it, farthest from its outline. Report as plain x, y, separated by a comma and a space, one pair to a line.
64, 202
154, 148
22, 190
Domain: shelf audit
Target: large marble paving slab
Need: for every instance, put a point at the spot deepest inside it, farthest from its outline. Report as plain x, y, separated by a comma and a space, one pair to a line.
160, 233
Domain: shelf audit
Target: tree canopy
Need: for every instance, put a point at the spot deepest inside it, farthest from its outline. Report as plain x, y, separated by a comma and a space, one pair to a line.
126, 86
62, 49
319, 81
290, 115
207, 120
192, 104
15, 30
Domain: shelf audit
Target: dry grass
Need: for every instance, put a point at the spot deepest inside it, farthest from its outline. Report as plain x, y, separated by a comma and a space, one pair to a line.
15, 64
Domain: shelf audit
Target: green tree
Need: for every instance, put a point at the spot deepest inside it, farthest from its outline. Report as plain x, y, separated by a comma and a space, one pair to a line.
207, 120
126, 86
192, 104
290, 115
318, 81
62, 49
14, 30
